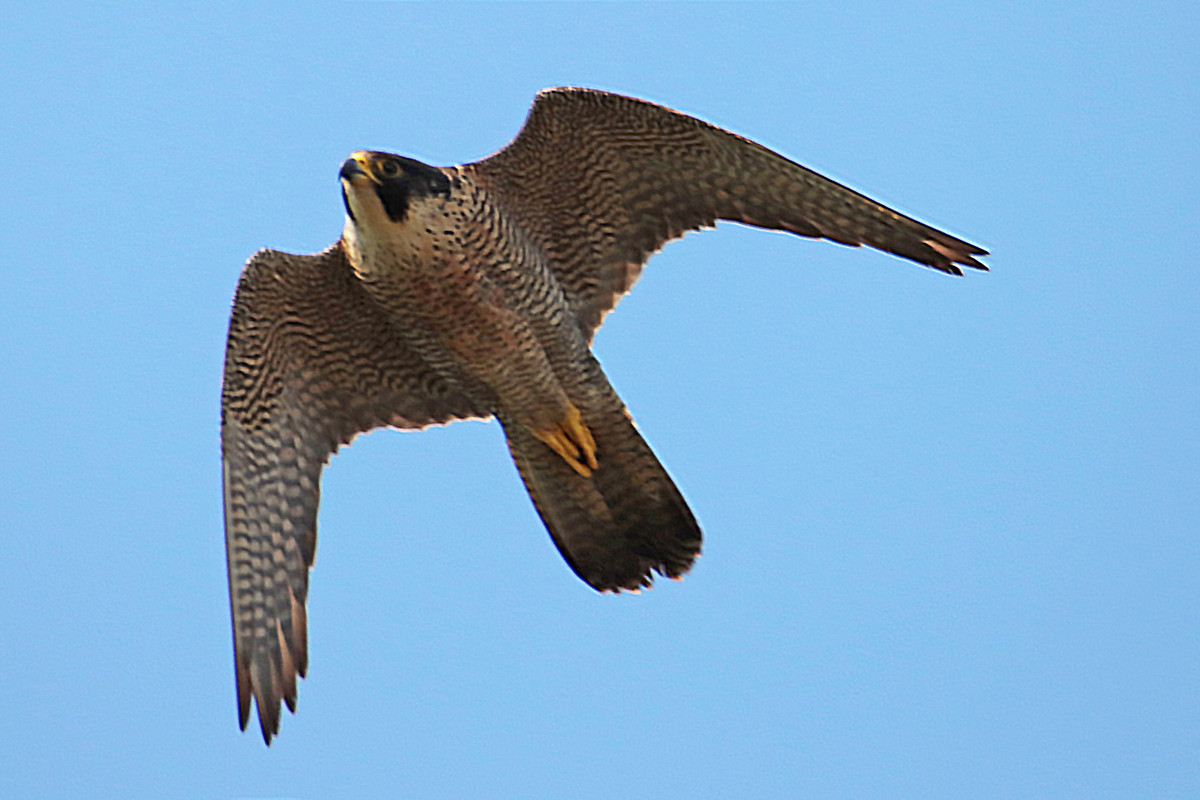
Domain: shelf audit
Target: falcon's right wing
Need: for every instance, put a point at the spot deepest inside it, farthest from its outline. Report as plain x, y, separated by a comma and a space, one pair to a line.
311, 361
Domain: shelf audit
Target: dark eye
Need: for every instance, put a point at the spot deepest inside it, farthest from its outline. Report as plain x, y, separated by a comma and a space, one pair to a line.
391, 169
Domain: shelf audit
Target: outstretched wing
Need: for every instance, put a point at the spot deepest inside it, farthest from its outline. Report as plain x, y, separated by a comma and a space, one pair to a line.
603, 181
311, 361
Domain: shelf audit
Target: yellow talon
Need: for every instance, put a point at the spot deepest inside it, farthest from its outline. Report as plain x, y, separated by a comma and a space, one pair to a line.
572, 440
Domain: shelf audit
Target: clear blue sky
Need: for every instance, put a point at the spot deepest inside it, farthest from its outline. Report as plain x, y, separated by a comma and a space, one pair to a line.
951, 524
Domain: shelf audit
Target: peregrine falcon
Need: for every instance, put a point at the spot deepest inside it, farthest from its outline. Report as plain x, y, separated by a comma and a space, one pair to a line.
472, 292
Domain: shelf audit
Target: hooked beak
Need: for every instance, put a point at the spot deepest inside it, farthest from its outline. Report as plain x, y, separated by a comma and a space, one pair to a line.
357, 165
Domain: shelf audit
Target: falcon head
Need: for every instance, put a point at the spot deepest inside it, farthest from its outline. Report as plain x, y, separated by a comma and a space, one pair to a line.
378, 187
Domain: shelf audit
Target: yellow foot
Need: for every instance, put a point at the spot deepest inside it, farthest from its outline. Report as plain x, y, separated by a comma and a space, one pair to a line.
571, 439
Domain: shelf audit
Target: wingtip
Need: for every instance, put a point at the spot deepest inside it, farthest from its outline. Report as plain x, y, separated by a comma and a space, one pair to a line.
268, 723
951, 252
243, 694
973, 262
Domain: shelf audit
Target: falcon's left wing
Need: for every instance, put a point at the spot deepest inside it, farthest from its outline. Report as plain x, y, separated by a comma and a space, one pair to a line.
602, 181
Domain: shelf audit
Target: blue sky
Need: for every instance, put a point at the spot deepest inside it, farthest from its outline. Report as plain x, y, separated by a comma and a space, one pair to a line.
951, 523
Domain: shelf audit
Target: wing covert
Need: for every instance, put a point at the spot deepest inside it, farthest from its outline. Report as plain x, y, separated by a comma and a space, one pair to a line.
603, 181
311, 361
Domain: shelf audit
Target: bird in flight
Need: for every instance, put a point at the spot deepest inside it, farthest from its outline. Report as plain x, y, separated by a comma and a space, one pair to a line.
474, 291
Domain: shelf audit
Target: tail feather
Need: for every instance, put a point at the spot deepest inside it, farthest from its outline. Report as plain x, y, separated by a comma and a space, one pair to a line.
624, 522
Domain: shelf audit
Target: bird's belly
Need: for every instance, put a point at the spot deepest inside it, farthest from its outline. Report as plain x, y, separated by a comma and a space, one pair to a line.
453, 316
